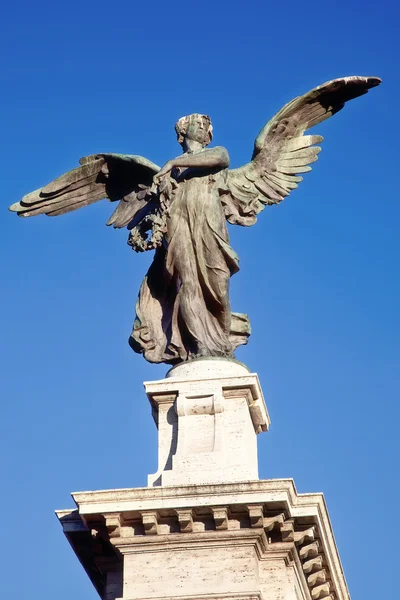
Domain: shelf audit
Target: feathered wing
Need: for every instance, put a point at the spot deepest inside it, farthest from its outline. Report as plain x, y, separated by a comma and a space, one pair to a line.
282, 151
113, 176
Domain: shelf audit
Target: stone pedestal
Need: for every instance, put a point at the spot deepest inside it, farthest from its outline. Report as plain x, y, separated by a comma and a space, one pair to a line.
206, 528
208, 413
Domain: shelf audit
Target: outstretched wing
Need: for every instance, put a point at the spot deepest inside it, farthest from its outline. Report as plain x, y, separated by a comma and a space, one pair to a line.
114, 176
282, 151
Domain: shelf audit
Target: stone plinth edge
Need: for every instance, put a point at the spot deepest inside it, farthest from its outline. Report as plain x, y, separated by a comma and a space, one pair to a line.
208, 367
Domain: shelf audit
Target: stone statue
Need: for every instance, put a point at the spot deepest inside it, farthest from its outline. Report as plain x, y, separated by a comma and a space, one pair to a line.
180, 211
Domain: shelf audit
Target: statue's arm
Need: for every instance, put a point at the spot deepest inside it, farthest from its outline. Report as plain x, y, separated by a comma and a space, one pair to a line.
208, 158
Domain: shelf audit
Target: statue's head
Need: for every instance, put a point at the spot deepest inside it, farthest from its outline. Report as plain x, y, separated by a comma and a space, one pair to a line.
194, 127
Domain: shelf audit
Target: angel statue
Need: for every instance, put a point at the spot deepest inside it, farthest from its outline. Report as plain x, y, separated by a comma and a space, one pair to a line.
180, 211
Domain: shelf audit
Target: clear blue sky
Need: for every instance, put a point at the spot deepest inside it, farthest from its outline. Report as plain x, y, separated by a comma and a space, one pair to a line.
319, 274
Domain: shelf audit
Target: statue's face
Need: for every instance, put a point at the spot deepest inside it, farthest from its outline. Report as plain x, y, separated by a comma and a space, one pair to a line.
197, 130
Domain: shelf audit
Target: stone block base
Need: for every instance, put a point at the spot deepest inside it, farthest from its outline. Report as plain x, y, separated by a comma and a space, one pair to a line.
256, 540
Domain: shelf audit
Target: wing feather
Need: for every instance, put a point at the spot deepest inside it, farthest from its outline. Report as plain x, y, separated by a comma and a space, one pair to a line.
305, 153
75, 176
64, 207
269, 192
303, 141
111, 176
296, 159
282, 151
125, 212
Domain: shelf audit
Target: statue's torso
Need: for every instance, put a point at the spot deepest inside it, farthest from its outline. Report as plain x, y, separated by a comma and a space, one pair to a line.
196, 201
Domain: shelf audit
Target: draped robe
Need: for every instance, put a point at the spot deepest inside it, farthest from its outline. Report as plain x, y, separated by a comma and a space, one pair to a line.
183, 308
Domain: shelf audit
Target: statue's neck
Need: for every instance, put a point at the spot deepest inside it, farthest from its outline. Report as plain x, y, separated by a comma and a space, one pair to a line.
191, 146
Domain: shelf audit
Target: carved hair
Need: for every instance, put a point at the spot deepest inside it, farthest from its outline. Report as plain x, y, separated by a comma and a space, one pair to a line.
182, 125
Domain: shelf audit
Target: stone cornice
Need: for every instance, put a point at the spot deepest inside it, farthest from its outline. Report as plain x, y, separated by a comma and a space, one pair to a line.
272, 510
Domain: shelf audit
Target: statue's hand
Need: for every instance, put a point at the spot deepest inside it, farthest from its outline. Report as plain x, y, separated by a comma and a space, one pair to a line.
166, 169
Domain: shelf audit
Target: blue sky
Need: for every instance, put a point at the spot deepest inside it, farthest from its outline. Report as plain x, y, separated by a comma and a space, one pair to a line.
319, 274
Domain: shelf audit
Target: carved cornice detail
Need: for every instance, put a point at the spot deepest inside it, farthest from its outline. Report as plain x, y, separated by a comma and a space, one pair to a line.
185, 519
312, 559
220, 516
150, 522
292, 538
